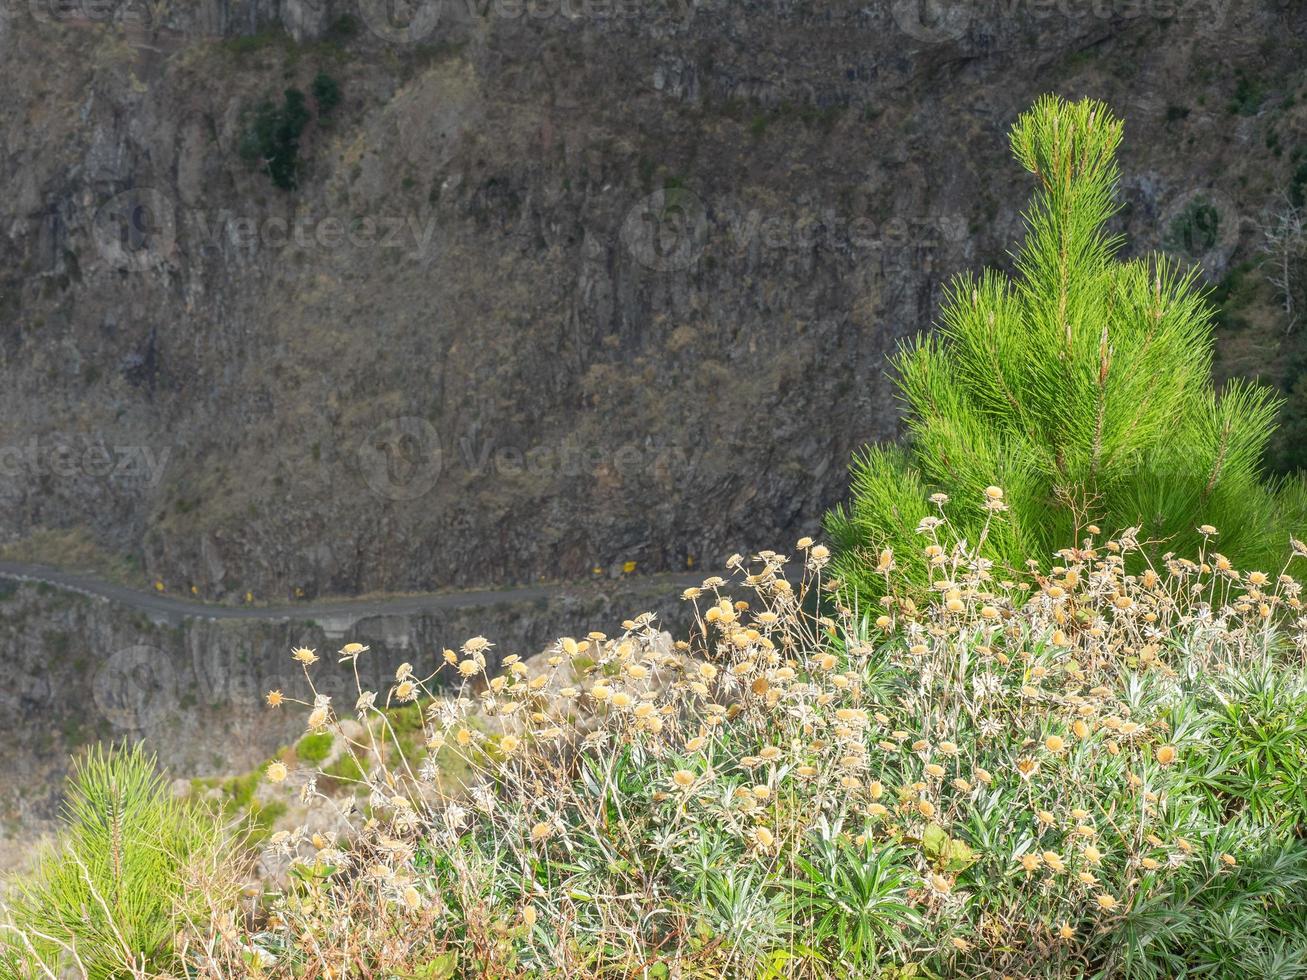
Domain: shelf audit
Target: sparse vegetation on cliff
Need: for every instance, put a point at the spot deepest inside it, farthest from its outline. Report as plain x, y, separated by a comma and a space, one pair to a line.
272, 133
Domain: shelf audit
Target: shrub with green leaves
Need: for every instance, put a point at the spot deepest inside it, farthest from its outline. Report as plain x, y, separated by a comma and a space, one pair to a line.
1081, 387
1253, 726
109, 898
314, 747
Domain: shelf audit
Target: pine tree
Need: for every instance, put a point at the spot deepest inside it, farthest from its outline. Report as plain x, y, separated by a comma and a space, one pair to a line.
1081, 387
106, 901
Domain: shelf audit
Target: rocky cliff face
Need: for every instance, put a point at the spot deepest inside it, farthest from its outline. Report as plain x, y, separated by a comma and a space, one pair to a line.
563, 284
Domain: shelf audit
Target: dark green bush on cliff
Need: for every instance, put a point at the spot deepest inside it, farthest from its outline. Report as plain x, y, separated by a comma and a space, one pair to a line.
272, 138
1081, 387
326, 93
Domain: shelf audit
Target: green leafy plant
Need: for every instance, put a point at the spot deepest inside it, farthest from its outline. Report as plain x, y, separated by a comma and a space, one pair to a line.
314, 747
107, 900
1081, 388
854, 901
1254, 725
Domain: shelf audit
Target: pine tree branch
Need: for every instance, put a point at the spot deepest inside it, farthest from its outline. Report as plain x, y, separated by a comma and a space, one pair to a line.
1104, 363
1223, 447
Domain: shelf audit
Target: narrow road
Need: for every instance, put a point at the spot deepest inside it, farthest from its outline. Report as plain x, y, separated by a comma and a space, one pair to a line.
177, 607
